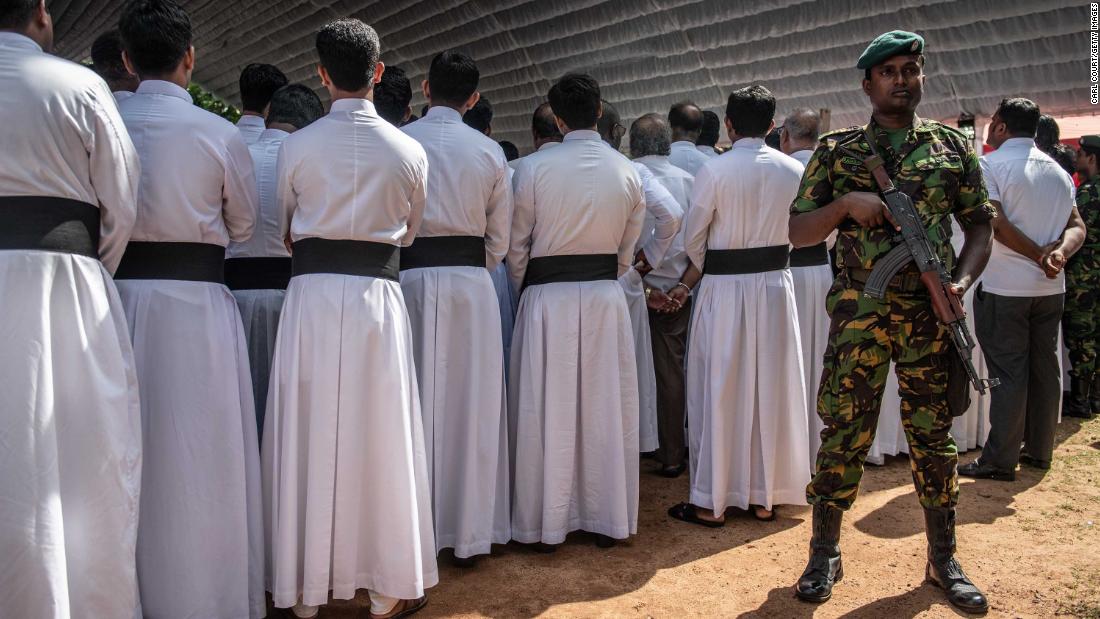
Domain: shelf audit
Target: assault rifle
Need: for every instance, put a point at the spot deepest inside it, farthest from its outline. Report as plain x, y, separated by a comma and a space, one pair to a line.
915, 247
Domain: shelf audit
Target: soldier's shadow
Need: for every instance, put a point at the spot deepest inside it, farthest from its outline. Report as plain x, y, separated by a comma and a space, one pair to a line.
781, 602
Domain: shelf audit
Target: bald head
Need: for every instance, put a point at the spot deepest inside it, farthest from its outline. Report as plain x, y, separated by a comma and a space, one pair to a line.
543, 127
686, 120
800, 131
650, 135
609, 125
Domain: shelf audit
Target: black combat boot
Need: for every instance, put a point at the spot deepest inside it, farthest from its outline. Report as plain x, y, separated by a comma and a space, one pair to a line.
943, 570
1077, 404
824, 569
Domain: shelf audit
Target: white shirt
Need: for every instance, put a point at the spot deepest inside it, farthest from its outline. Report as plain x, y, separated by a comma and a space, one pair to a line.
251, 127
1036, 195
685, 156
63, 138
122, 95
680, 184
196, 174
469, 184
803, 156
515, 163
707, 150
267, 239
741, 200
663, 215
579, 198
351, 175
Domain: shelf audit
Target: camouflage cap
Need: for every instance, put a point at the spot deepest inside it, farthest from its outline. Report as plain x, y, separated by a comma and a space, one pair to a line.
888, 45
1090, 143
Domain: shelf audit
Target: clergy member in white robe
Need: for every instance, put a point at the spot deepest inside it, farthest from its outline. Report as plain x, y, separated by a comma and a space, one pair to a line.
347, 500
70, 427
199, 547
745, 384
812, 277
257, 84
107, 63
573, 387
455, 318
258, 270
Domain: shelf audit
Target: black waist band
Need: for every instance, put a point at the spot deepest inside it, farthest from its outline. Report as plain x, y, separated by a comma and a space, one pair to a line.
49, 224
257, 273
741, 261
193, 262
577, 268
362, 258
812, 256
444, 251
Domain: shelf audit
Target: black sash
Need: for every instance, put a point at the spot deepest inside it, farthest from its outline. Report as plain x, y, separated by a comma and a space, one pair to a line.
812, 256
49, 224
257, 273
192, 262
362, 258
444, 251
741, 261
576, 268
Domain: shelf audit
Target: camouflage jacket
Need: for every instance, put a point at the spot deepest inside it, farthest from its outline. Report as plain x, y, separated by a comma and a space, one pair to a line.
935, 166
1085, 264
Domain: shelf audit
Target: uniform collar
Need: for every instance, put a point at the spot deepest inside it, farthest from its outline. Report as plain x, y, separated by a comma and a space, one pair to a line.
352, 105
20, 41
582, 134
444, 113
754, 143
161, 87
248, 120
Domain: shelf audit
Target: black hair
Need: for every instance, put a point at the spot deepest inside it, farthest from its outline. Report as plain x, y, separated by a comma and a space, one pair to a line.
296, 105
1065, 157
16, 14
107, 57
452, 78
258, 82
348, 50
685, 116
542, 122
575, 99
773, 138
1047, 133
712, 128
392, 95
480, 116
156, 35
1020, 116
751, 110
511, 153
424, 110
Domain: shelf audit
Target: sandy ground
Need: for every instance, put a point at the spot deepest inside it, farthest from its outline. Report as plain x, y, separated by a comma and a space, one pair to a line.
1033, 545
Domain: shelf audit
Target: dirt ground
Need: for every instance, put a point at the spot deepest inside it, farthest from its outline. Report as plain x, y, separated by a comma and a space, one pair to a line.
1033, 545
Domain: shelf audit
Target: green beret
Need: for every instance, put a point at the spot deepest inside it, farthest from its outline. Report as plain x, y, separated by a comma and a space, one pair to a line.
1090, 142
886, 46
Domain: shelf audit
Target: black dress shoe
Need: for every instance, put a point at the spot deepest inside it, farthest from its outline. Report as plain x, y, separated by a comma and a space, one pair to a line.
943, 570
978, 470
673, 470
603, 541
545, 549
824, 568
1042, 465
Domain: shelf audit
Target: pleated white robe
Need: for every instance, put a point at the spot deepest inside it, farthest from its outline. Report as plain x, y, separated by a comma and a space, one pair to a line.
747, 427
200, 537
347, 502
573, 387
456, 330
811, 287
70, 427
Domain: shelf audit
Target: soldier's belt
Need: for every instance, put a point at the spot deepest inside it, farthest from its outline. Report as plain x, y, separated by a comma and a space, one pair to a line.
908, 281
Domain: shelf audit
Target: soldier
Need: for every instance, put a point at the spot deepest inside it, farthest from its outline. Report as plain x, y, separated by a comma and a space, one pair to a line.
937, 167
1082, 277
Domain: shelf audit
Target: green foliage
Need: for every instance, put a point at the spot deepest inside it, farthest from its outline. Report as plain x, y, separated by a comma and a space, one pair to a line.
211, 103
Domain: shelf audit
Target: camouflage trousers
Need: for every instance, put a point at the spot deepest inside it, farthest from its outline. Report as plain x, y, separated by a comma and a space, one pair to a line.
1079, 327
864, 336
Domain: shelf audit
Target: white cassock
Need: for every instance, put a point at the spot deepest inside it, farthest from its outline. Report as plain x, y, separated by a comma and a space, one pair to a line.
456, 334
258, 303
686, 156
200, 541
708, 151
662, 222
70, 427
573, 387
811, 287
251, 128
746, 394
347, 501
122, 95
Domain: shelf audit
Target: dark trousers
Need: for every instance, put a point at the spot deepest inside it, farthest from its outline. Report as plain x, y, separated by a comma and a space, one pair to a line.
1019, 338
669, 334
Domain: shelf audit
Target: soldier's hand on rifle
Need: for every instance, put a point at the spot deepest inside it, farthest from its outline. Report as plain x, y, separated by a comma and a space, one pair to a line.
868, 209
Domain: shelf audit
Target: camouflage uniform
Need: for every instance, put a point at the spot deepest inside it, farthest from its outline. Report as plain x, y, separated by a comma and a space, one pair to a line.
1079, 323
939, 170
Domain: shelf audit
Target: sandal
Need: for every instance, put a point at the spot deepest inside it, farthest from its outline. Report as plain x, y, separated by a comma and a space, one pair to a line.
404, 608
756, 514
686, 512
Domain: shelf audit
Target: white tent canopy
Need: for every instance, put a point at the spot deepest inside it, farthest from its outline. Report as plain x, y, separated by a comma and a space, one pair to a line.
649, 54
